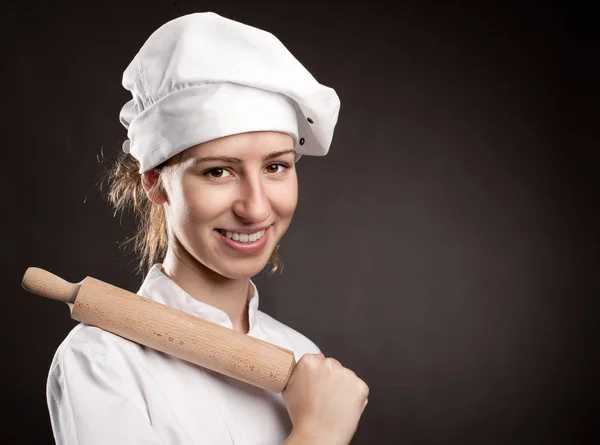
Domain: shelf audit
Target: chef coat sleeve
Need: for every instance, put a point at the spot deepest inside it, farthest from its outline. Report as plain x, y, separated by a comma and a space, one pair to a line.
91, 403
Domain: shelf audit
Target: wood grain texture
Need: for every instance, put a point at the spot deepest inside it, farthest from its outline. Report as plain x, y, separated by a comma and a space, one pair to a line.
46, 284
183, 335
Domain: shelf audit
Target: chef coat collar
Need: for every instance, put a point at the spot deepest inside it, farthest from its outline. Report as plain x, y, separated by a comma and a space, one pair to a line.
160, 288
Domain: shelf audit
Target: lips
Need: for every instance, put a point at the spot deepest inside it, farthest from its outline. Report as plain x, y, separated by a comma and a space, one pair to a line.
242, 237
243, 230
250, 247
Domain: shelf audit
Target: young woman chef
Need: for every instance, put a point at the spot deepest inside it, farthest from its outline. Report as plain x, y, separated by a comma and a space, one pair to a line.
220, 113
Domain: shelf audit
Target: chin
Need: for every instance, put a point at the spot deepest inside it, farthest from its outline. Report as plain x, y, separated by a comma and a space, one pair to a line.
242, 269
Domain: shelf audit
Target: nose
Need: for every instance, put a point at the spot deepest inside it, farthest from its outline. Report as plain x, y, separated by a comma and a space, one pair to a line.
252, 205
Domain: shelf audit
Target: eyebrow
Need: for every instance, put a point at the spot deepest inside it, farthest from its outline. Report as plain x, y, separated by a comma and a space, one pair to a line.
233, 160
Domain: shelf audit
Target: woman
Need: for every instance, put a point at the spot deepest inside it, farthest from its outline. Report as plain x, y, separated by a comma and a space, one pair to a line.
220, 113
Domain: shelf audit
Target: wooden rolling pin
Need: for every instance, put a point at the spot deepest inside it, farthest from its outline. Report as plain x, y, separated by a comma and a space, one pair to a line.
167, 329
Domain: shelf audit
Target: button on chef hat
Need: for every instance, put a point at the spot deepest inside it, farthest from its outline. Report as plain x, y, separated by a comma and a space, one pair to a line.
202, 76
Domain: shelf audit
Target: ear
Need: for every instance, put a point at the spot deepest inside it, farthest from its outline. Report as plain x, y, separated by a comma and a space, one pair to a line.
155, 195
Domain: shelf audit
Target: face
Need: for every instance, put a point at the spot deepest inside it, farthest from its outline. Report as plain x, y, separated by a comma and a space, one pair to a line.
224, 192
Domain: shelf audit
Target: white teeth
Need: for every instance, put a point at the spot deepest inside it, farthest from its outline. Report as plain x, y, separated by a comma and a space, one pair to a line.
243, 237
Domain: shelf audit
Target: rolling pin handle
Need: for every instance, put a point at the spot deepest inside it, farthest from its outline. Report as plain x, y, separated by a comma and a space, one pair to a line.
46, 284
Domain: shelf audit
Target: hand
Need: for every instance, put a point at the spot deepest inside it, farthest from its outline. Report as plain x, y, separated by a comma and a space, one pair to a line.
325, 400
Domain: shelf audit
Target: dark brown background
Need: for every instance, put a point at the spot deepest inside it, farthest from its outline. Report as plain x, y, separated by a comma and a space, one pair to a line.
446, 249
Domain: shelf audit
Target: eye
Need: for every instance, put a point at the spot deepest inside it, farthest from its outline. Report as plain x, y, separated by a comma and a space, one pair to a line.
276, 165
216, 172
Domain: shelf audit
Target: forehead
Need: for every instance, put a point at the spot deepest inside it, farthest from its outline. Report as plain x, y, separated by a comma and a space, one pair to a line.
243, 146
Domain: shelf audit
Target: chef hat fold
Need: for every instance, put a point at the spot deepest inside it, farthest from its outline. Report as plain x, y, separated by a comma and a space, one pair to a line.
202, 76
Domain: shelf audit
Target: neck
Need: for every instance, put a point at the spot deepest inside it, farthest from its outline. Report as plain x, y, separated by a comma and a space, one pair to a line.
230, 295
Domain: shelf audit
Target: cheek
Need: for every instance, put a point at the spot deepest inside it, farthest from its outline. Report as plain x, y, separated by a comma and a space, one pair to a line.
284, 197
196, 203
205, 206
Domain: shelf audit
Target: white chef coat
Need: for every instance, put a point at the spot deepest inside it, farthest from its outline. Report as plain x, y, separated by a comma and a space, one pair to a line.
103, 389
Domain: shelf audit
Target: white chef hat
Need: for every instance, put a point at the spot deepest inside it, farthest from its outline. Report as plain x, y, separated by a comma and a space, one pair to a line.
202, 76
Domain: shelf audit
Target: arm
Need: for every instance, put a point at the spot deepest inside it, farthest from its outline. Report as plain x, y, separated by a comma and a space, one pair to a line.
90, 403
299, 438
305, 436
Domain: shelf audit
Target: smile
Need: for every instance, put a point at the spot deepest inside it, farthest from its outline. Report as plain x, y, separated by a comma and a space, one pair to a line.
246, 243
243, 237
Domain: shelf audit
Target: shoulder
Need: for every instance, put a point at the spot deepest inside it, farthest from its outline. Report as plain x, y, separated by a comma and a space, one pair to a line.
287, 336
86, 344
92, 372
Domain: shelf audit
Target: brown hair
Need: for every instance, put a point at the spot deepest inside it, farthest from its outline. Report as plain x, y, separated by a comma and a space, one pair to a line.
125, 192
